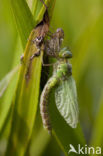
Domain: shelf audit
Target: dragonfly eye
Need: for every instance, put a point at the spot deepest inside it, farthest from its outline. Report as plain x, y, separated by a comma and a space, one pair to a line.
65, 54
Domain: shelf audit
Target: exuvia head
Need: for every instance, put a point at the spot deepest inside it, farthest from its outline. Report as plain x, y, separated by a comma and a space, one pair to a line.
60, 33
65, 53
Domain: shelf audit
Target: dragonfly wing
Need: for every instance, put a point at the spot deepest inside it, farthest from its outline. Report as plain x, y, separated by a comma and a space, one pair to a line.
66, 101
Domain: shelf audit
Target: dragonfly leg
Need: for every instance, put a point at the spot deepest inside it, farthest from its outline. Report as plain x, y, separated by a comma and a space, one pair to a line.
50, 64
27, 75
35, 55
38, 41
21, 58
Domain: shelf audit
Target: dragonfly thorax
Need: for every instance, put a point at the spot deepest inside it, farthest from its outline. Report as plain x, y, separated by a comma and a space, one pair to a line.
62, 69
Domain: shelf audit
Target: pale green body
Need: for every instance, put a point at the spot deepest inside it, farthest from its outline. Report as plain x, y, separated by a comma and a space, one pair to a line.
62, 69
66, 96
65, 88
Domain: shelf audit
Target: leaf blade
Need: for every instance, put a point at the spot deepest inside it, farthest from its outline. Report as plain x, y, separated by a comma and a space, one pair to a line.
24, 19
25, 103
97, 133
6, 80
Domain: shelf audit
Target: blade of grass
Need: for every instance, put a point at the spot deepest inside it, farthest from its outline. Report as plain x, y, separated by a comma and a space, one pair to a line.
82, 54
50, 5
5, 100
25, 102
97, 133
40, 142
24, 19
40, 138
6, 80
3, 86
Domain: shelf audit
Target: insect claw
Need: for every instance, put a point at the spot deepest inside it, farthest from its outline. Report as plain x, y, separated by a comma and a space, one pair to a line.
35, 55
21, 58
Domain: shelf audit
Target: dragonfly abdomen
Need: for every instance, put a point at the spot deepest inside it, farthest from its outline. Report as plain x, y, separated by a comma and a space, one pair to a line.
44, 110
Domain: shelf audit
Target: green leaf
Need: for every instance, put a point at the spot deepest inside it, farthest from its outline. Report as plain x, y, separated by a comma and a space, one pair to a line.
6, 99
24, 19
82, 54
50, 5
6, 80
97, 133
40, 142
26, 100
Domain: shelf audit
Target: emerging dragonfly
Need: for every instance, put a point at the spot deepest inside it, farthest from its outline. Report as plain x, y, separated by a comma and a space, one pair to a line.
62, 80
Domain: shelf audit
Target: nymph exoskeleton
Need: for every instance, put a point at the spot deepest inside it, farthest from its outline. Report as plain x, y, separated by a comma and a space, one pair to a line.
40, 32
53, 46
43, 30
65, 93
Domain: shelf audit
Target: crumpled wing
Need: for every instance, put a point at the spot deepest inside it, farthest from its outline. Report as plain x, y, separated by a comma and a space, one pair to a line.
66, 101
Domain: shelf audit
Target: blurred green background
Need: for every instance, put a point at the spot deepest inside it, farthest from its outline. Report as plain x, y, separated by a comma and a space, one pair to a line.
82, 22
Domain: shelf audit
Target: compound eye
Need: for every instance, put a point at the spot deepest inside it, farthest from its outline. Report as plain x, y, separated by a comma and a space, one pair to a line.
67, 54
64, 54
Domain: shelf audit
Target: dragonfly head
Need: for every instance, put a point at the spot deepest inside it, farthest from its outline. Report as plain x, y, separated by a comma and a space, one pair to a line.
65, 53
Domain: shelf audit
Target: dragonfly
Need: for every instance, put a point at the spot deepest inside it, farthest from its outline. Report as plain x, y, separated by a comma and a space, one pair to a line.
62, 81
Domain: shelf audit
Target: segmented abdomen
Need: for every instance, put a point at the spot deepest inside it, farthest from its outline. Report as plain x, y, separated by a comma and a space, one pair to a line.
44, 103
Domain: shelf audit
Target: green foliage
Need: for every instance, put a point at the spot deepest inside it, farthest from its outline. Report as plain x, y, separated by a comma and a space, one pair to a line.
6, 80
24, 20
98, 127
25, 102
82, 23
27, 92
